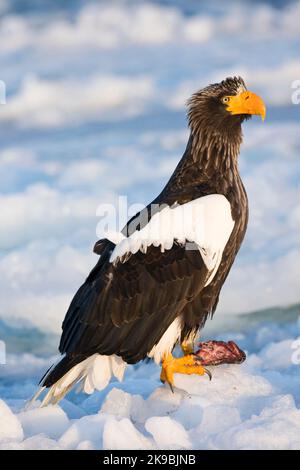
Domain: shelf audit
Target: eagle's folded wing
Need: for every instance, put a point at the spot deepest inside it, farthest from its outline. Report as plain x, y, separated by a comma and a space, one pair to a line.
141, 284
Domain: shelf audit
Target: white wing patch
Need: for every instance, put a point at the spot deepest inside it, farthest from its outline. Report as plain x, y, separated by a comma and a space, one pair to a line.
206, 222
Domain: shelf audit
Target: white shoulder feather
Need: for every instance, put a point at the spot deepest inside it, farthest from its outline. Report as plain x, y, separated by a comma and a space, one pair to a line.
205, 222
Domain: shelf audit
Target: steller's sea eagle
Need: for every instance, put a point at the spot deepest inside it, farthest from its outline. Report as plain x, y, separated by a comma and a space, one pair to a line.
157, 281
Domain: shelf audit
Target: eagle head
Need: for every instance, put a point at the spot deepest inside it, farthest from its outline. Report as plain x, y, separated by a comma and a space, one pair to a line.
223, 106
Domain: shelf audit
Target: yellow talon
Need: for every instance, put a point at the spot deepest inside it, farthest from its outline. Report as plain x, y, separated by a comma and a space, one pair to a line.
188, 365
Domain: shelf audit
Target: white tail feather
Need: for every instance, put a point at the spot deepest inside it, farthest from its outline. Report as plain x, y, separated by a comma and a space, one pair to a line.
93, 373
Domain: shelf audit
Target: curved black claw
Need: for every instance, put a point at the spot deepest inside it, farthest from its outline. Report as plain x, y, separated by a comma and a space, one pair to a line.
208, 373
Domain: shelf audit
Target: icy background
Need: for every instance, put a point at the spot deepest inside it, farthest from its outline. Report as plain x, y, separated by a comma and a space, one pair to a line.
95, 108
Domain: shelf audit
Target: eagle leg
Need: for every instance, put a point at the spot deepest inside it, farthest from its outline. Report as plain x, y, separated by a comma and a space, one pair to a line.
187, 347
189, 364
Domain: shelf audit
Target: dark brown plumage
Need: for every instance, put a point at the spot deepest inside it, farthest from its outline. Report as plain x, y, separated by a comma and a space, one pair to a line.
125, 308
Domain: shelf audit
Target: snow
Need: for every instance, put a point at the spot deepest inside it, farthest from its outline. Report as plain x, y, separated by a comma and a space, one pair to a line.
114, 26
52, 104
51, 420
11, 429
122, 434
255, 405
123, 405
168, 433
276, 427
86, 429
216, 419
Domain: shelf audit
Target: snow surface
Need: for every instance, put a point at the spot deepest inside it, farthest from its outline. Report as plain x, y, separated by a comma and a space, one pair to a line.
255, 405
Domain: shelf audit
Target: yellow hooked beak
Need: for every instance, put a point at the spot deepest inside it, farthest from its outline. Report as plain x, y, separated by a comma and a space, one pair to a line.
246, 102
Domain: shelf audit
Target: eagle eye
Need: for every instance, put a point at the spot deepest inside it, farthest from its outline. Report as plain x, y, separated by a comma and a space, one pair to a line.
225, 99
